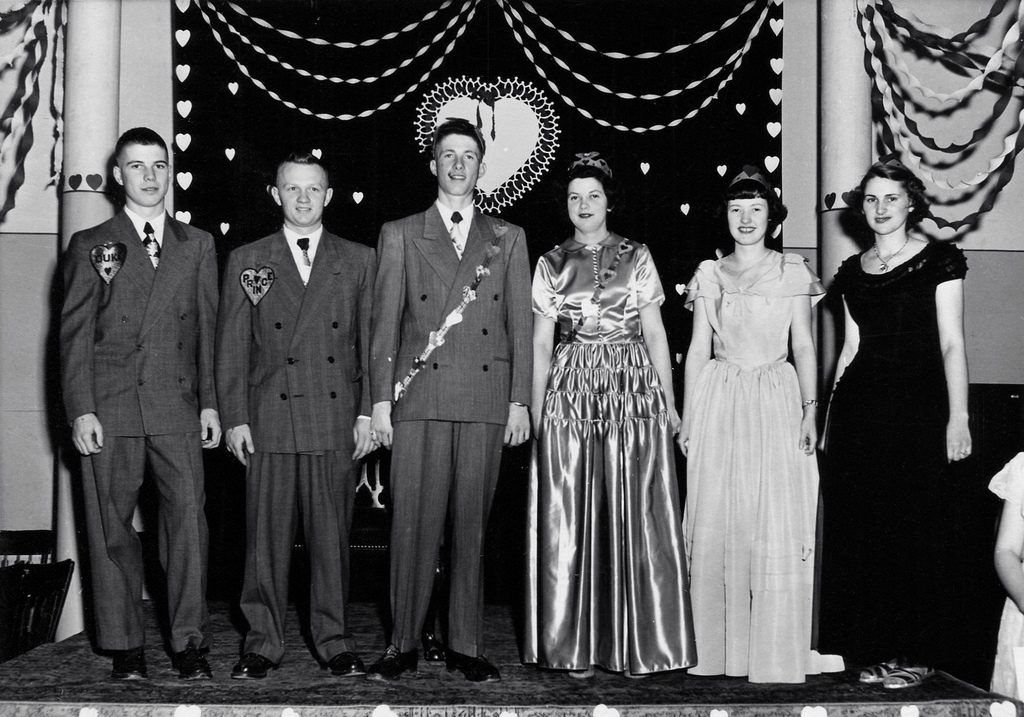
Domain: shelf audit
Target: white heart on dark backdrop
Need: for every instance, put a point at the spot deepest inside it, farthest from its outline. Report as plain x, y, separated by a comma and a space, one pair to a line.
774, 128
776, 23
184, 107
182, 37
185, 179
183, 216
645, 167
229, 152
684, 208
721, 170
182, 72
741, 107
233, 87
776, 94
357, 197
777, 65
771, 163
183, 140
182, 5
224, 227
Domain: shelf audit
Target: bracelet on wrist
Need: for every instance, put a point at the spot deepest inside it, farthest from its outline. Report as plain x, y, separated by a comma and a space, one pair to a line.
809, 402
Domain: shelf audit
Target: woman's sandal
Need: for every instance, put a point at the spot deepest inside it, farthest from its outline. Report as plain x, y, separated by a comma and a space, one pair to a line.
877, 673
582, 674
907, 676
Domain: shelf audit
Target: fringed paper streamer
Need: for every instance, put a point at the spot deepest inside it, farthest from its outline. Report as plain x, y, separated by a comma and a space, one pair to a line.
57, 95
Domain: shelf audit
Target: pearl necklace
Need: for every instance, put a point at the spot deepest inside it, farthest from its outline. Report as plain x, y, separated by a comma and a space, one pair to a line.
885, 262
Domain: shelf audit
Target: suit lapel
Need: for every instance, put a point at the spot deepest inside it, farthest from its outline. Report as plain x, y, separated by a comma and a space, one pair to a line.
480, 237
177, 260
287, 282
436, 246
137, 267
326, 266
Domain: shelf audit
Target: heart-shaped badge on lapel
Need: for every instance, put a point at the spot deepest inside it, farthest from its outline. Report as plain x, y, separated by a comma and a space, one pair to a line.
256, 283
517, 121
107, 259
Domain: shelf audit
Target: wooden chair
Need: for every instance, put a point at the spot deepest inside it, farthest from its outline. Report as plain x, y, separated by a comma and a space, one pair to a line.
31, 601
26, 546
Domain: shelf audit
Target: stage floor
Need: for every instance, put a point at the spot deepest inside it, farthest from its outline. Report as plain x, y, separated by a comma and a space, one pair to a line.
68, 680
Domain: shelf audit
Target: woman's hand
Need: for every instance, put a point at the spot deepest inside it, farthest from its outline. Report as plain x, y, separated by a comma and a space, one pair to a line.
673, 421
958, 439
683, 437
808, 432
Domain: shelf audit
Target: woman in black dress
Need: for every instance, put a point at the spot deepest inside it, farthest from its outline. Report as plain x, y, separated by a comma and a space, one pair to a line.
898, 417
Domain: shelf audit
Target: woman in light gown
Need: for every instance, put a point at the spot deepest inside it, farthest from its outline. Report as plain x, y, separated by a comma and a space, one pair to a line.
1008, 484
748, 431
606, 572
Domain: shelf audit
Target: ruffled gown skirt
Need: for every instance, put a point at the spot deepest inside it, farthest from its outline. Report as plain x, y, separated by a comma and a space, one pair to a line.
606, 573
751, 507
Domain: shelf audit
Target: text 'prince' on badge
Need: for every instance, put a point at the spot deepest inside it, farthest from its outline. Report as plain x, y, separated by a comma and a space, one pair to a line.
107, 259
257, 282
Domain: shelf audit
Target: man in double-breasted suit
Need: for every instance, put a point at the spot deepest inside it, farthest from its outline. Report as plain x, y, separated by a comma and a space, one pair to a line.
293, 343
451, 267
137, 339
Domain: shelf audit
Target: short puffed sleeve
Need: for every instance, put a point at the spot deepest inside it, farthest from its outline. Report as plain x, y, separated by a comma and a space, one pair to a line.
545, 299
847, 271
646, 282
948, 263
799, 280
1008, 483
703, 285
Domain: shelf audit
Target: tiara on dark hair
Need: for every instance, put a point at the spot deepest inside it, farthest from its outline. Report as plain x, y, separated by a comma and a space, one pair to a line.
591, 159
752, 174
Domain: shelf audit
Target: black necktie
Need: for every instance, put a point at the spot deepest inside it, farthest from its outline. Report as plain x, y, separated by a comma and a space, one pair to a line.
456, 234
304, 245
151, 244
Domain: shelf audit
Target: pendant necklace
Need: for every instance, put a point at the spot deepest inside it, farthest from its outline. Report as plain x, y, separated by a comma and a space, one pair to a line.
885, 262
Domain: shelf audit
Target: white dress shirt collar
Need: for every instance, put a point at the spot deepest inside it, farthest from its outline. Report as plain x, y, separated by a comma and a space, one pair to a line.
293, 244
156, 222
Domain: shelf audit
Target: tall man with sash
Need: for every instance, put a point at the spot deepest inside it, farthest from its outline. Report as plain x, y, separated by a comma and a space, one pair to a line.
450, 368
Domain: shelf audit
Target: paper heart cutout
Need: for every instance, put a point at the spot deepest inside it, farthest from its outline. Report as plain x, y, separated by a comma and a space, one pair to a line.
74, 181
188, 711
1002, 709
721, 170
182, 72
719, 713
224, 227
229, 152
776, 94
771, 163
778, 191
774, 128
910, 711
777, 65
182, 37
318, 153
680, 289
776, 24
741, 107
684, 208
184, 179
830, 199
645, 167
847, 198
233, 87
182, 5
184, 107
183, 140
107, 259
818, 711
357, 197
679, 359
95, 181
605, 711
518, 123
256, 283
185, 217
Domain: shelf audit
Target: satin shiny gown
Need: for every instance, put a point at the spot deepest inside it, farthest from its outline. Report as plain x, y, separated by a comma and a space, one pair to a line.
1008, 484
751, 492
607, 582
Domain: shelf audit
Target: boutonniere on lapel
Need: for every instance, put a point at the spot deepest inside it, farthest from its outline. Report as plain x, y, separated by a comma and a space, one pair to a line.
256, 282
602, 277
107, 259
437, 337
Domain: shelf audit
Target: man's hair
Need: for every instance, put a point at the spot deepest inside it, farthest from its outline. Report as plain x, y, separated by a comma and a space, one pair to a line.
138, 135
458, 126
304, 157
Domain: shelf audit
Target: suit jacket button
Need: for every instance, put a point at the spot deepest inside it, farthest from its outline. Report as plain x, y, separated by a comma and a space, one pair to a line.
333, 394
284, 396
181, 379
184, 316
485, 332
142, 381
330, 359
277, 324
495, 297
124, 319
334, 324
485, 367
180, 345
290, 360
435, 366
423, 297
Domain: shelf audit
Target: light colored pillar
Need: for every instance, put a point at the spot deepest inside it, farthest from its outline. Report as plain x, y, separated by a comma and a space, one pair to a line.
91, 90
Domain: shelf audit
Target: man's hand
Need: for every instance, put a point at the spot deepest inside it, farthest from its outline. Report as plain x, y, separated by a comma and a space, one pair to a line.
209, 423
365, 445
518, 428
380, 423
239, 443
87, 434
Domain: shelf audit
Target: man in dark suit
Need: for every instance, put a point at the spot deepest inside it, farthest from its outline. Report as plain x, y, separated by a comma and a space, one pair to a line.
137, 335
449, 267
292, 348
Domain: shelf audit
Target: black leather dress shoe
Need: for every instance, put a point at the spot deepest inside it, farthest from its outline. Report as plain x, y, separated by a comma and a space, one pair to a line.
433, 648
346, 664
392, 664
475, 669
252, 666
129, 665
192, 664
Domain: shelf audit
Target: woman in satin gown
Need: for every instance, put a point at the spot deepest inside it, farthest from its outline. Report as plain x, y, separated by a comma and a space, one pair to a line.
607, 583
897, 417
749, 434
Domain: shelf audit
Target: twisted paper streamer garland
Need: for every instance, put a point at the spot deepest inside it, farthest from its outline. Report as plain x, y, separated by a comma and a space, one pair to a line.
341, 45
899, 103
942, 38
900, 133
734, 58
995, 62
347, 80
643, 55
57, 95
323, 115
15, 14
8, 61
605, 123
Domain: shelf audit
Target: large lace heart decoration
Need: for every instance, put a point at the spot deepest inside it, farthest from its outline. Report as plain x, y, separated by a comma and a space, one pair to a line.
518, 124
